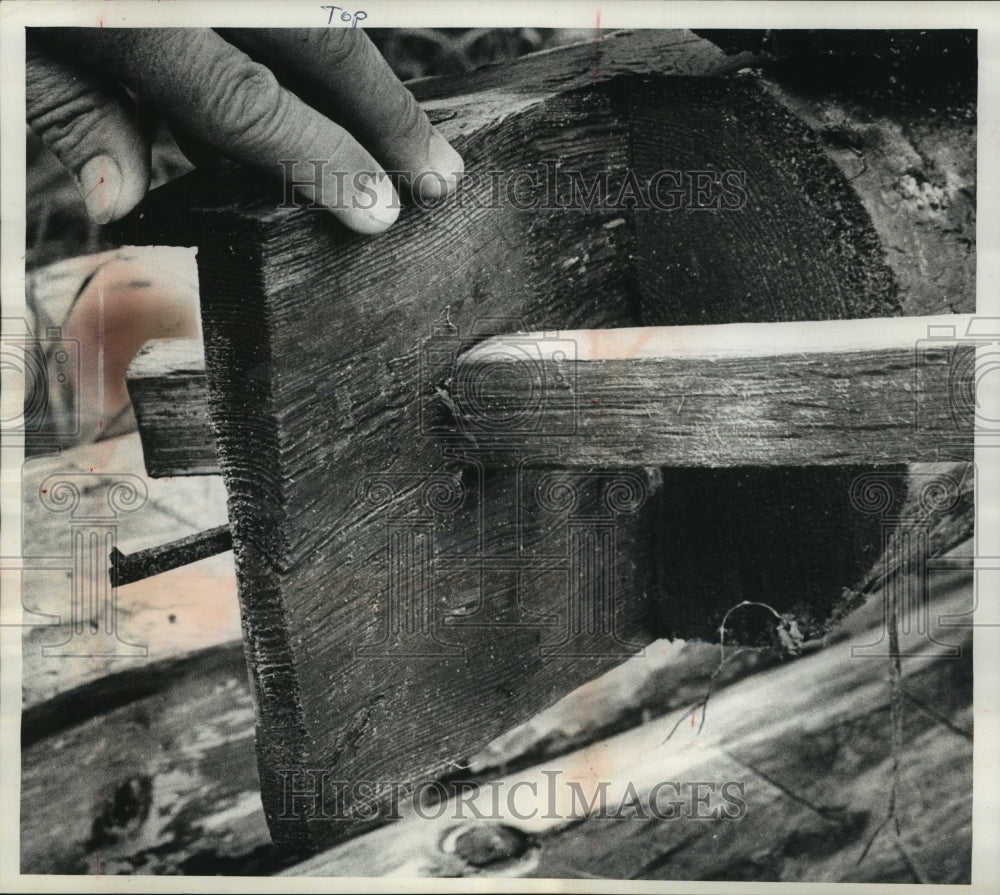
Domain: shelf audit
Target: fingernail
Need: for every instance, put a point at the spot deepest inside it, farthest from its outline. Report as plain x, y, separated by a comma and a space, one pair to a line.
101, 185
445, 166
377, 203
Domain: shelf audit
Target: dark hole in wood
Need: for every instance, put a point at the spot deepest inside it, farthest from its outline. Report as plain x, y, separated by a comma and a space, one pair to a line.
788, 537
485, 844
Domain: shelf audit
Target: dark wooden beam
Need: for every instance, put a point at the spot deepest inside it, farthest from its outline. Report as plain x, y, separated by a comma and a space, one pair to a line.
405, 600
836, 392
168, 387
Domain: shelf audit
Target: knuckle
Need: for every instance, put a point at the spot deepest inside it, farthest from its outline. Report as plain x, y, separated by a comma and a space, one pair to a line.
252, 101
66, 120
344, 47
412, 124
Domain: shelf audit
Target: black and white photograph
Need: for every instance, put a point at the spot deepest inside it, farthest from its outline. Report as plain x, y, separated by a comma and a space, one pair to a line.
517, 447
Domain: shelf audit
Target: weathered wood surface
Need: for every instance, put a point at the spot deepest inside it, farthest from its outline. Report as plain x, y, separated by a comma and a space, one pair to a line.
341, 503
806, 748
146, 771
741, 395
729, 395
127, 568
167, 616
169, 803
136, 761
168, 389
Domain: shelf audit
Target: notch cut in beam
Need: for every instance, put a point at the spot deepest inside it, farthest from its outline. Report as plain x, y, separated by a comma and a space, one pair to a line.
747, 394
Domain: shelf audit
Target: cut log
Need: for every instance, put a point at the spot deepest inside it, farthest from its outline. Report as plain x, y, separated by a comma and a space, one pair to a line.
405, 601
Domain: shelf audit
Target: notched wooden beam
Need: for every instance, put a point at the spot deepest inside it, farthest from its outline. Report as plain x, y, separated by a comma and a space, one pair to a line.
403, 601
820, 393
168, 387
830, 392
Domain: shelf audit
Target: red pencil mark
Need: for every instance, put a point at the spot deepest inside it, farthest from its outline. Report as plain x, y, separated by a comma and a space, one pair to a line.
692, 719
597, 48
45, 490
96, 185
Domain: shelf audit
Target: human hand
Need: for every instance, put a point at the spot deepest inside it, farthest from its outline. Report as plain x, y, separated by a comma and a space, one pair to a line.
256, 96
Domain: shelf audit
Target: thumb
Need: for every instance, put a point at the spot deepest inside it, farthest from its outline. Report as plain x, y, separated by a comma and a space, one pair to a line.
90, 125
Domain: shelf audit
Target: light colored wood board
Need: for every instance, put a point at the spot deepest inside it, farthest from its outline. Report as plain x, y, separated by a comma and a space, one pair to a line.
159, 777
851, 406
169, 615
801, 393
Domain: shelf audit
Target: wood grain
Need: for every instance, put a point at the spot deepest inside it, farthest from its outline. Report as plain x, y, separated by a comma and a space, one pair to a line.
340, 498
730, 395
720, 396
168, 388
170, 615
147, 771
183, 809
807, 744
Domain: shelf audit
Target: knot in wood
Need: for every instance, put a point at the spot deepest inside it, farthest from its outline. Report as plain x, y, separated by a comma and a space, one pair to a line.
483, 844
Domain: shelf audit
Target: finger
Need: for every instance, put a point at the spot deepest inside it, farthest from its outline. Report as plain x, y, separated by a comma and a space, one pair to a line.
207, 87
340, 73
90, 125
